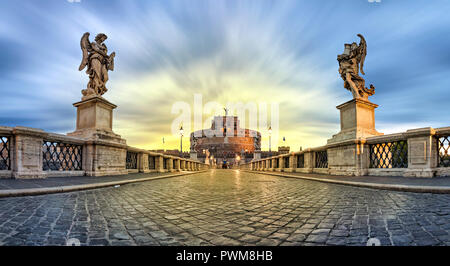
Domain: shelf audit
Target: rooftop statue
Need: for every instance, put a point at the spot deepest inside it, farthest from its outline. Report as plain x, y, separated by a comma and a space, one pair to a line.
98, 62
350, 62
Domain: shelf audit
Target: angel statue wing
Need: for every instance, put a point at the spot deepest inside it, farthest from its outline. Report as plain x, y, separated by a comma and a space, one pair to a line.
85, 48
362, 53
110, 61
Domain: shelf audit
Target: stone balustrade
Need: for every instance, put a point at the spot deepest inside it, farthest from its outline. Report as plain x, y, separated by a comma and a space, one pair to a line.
33, 153
422, 152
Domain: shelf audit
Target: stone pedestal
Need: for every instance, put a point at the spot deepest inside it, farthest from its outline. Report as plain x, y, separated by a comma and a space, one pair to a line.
357, 121
347, 152
257, 155
95, 120
193, 155
105, 152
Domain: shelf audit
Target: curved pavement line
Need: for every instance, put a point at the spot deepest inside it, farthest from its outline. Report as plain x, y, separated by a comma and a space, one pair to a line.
403, 188
61, 189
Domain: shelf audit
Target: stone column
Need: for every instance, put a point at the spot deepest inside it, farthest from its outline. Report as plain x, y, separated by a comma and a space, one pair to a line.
182, 165
177, 165
422, 154
309, 161
170, 165
28, 161
143, 162
292, 163
280, 164
273, 165
159, 163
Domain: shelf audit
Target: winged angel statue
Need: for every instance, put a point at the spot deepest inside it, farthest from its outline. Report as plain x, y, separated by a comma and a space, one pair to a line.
98, 62
350, 62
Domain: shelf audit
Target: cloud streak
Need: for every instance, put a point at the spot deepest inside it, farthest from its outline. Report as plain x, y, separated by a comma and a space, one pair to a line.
238, 51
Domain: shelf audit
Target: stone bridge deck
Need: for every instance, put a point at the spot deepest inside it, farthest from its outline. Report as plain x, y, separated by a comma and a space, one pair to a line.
227, 207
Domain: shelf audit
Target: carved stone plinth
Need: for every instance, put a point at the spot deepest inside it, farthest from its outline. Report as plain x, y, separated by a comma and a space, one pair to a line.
28, 153
357, 121
94, 117
104, 152
347, 152
257, 155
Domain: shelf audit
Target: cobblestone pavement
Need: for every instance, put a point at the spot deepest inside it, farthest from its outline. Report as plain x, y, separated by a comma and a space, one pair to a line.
227, 207
71, 180
384, 180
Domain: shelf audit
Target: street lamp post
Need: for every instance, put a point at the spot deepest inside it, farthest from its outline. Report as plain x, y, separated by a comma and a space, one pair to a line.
270, 140
181, 140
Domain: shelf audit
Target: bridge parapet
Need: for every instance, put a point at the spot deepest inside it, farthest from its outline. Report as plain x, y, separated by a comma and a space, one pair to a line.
422, 152
33, 153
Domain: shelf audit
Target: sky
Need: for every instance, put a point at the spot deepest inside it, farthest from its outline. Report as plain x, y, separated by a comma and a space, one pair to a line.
274, 52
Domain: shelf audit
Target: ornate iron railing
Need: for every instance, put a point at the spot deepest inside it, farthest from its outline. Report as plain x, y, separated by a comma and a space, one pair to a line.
286, 161
443, 149
321, 159
131, 160
389, 154
151, 162
301, 161
174, 163
270, 163
5, 161
165, 163
59, 156
277, 163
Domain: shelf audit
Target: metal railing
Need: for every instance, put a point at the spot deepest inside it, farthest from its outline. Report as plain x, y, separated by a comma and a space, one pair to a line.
389, 154
59, 156
322, 159
443, 150
286, 162
5, 158
131, 161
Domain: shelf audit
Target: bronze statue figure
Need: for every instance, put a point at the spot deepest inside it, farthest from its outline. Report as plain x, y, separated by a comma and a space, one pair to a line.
350, 62
98, 62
